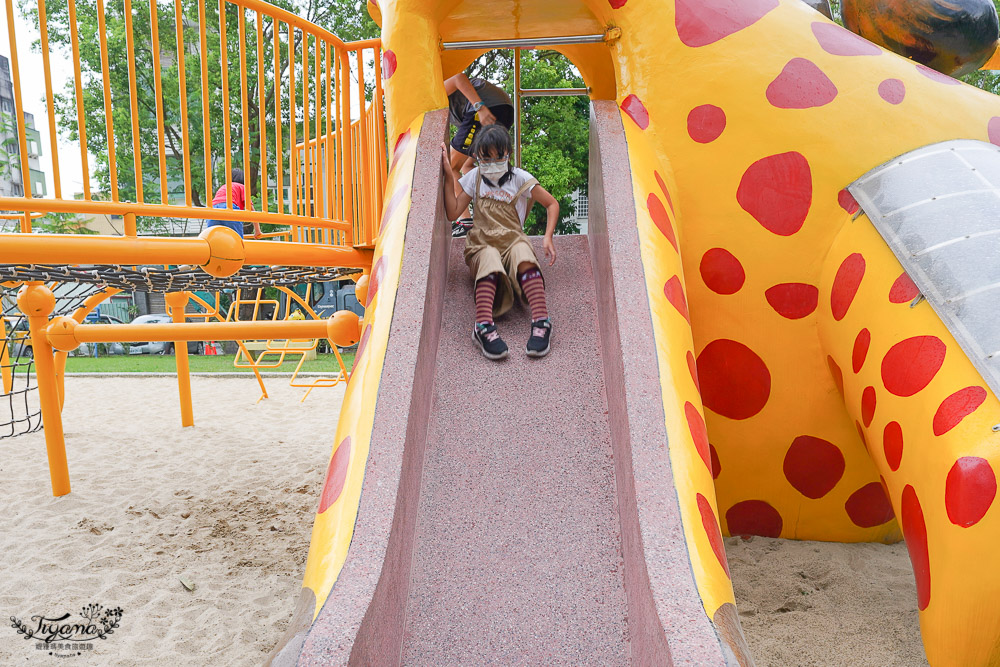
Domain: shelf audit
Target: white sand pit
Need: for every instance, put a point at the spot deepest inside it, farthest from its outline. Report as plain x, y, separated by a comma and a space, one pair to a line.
826, 604
227, 505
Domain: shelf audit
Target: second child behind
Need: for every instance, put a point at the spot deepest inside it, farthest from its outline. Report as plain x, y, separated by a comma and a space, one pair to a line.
240, 203
497, 251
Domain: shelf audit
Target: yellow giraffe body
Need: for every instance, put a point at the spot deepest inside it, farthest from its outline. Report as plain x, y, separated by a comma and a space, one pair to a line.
745, 120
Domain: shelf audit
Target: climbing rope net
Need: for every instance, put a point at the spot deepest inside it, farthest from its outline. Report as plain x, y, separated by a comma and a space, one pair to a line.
72, 285
19, 408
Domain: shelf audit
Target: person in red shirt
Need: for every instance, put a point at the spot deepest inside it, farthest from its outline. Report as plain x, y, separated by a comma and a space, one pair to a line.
240, 203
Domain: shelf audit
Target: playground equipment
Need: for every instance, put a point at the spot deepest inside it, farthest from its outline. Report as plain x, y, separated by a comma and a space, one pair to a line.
772, 252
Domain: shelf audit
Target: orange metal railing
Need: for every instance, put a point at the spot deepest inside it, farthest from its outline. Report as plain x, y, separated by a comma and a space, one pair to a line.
281, 89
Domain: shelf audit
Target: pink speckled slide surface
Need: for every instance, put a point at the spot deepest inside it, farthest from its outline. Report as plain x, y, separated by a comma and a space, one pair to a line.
519, 512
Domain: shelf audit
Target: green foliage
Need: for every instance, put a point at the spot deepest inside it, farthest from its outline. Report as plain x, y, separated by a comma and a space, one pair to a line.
62, 223
555, 130
346, 18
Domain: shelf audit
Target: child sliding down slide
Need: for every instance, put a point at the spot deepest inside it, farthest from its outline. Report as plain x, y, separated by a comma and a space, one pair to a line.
497, 251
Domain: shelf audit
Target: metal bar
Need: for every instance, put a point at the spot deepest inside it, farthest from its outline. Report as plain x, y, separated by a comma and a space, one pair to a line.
109, 123
553, 92
125, 250
154, 24
279, 14
279, 152
228, 148
50, 101
176, 311
241, 13
517, 107
292, 113
328, 147
365, 182
81, 123
346, 147
19, 109
182, 89
207, 134
523, 43
261, 126
319, 199
307, 194
133, 101
190, 331
158, 210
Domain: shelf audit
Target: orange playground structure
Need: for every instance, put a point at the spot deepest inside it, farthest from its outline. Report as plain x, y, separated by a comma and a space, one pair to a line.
787, 293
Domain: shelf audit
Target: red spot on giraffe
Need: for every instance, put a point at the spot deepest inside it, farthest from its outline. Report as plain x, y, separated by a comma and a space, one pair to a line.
388, 64
753, 517
903, 290
892, 444
699, 433
846, 284
362, 344
711, 525
706, 123
721, 271
735, 381
957, 407
617, 4
397, 198
402, 141
716, 464
935, 75
692, 366
869, 506
911, 364
661, 219
813, 466
777, 192
636, 110
674, 292
868, 405
840, 42
860, 352
792, 300
892, 91
703, 22
969, 490
801, 85
336, 475
663, 188
861, 434
836, 373
915, 534
377, 276
993, 130
847, 201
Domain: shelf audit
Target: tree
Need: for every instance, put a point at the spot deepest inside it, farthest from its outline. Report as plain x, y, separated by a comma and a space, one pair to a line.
344, 17
554, 130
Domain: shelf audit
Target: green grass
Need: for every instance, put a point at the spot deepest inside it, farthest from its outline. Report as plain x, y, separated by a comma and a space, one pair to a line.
325, 363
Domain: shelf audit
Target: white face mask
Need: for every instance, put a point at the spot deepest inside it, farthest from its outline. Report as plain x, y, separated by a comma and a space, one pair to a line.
494, 170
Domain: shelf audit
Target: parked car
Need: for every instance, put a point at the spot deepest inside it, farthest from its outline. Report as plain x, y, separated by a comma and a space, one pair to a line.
161, 347
21, 338
108, 348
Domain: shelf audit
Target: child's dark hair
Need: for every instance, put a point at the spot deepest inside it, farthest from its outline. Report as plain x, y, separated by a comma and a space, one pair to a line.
237, 175
491, 138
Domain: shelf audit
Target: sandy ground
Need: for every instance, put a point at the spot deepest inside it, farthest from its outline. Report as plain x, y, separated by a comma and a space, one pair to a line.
823, 604
228, 506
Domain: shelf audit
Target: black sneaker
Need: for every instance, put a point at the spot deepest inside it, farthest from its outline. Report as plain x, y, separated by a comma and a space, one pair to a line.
489, 341
461, 227
538, 344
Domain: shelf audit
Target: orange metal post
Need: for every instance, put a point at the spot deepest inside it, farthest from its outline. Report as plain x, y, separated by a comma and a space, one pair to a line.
206, 128
261, 126
36, 301
18, 107
109, 124
249, 330
182, 91
293, 185
366, 189
154, 22
227, 149
175, 304
307, 195
133, 101
6, 372
347, 184
49, 100
279, 153
80, 122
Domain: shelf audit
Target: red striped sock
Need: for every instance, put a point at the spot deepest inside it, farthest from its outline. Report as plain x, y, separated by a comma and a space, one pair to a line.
534, 291
486, 290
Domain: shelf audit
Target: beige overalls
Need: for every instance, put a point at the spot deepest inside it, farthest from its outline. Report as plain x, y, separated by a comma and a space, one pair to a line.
497, 244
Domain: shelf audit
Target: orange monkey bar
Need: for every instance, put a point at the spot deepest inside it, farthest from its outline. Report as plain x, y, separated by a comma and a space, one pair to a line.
74, 249
66, 333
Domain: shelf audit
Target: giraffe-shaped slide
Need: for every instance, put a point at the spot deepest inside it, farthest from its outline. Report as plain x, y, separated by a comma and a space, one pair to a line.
802, 390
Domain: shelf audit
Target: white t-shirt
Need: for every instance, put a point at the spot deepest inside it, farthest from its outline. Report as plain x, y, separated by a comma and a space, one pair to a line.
505, 192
